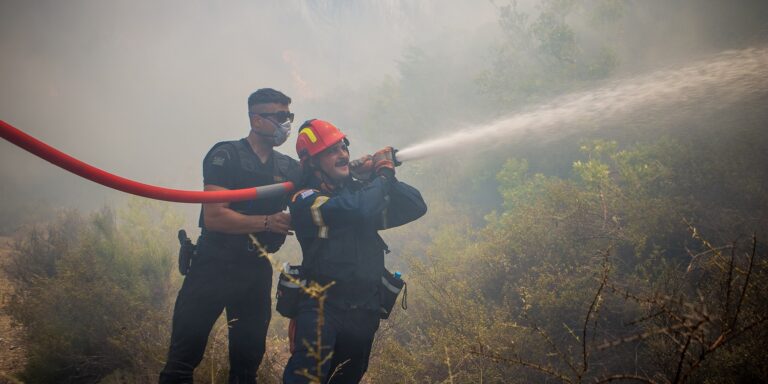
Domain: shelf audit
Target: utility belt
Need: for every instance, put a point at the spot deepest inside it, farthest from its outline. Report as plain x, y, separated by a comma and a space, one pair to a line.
293, 282
222, 240
234, 245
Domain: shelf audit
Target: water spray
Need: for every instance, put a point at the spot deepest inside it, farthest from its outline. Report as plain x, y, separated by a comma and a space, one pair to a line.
730, 77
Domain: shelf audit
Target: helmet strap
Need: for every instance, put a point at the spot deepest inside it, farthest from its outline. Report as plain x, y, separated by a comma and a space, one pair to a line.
327, 184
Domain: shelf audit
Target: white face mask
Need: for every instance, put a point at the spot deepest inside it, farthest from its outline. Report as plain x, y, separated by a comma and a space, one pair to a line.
282, 131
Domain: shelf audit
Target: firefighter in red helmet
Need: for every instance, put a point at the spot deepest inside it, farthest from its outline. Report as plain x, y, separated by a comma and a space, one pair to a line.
336, 219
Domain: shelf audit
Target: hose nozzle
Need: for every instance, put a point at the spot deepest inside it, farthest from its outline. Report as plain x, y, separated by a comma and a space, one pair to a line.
394, 158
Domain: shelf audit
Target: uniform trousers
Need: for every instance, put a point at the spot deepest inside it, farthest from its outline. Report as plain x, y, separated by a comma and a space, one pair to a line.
221, 278
347, 333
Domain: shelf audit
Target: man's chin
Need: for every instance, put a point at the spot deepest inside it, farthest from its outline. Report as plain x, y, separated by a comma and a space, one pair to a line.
340, 173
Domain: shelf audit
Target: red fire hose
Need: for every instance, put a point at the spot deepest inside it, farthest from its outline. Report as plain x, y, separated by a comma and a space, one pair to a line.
61, 159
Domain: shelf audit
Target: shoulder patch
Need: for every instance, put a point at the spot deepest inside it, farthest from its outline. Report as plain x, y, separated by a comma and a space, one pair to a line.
218, 160
220, 155
307, 193
303, 194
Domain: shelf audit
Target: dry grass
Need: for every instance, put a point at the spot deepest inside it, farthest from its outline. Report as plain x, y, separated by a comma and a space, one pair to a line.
12, 351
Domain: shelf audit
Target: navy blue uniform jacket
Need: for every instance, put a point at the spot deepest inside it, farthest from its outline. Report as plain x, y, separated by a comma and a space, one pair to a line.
339, 238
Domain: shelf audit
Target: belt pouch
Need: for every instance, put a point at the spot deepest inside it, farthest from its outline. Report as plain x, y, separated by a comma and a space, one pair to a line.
388, 291
289, 290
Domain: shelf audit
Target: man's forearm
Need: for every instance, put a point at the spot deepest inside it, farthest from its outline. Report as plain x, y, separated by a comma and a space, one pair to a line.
226, 220
219, 217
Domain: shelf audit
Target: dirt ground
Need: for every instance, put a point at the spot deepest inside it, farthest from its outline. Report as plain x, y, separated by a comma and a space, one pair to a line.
11, 348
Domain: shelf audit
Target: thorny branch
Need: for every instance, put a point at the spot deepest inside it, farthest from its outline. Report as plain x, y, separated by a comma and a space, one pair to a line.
519, 361
554, 347
592, 308
746, 279
697, 332
612, 378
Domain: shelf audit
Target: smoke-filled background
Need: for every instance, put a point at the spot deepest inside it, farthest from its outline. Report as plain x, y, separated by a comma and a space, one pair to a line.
144, 90
610, 172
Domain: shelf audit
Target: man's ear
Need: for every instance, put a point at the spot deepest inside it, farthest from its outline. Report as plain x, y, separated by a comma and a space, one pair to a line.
313, 165
253, 120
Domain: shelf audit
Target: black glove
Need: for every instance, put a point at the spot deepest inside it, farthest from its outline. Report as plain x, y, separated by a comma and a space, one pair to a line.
362, 168
384, 163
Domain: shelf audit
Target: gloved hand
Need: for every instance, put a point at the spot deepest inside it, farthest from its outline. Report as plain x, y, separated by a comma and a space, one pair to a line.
362, 168
384, 163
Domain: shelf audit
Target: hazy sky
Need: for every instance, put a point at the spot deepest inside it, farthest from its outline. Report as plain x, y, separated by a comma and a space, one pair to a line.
143, 89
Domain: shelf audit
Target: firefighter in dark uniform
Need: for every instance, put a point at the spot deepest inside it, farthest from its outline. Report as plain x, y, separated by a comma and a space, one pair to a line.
337, 219
227, 270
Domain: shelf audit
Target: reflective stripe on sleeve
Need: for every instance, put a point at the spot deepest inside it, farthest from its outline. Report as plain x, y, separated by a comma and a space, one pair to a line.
317, 216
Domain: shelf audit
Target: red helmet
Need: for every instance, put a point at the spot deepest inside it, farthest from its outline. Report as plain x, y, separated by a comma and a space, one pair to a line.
315, 136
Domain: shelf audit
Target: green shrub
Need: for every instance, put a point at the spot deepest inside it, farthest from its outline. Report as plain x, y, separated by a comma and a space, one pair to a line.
601, 258
94, 294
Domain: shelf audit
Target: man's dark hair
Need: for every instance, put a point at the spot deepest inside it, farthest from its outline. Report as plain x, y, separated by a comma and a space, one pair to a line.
268, 96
